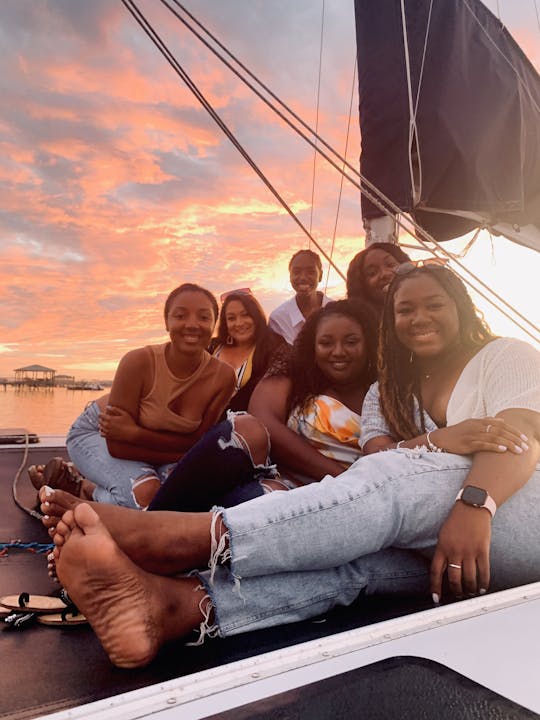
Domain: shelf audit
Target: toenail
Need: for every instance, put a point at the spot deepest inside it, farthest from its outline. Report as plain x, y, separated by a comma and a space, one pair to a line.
45, 517
46, 504
50, 556
48, 491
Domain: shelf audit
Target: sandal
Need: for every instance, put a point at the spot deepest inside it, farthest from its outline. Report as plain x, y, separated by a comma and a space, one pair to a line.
36, 603
61, 475
66, 617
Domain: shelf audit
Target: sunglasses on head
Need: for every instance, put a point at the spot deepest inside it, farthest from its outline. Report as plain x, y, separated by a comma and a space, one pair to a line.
429, 263
240, 291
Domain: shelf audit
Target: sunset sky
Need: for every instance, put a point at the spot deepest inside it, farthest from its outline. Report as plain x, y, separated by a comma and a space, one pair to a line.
116, 186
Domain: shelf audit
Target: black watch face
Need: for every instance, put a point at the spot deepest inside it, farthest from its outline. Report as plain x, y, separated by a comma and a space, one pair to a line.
473, 495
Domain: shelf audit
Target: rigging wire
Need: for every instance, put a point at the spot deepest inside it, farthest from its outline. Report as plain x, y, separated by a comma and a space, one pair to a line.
342, 176
537, 13
153, 35
409, 225
316, 121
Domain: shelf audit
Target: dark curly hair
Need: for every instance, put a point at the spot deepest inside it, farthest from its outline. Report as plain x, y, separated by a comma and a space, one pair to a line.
307, 380
266, 344
255, 312
399, 381
190, 287
356, 281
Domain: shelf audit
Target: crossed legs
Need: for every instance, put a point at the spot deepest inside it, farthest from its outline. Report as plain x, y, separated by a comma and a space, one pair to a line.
132, 611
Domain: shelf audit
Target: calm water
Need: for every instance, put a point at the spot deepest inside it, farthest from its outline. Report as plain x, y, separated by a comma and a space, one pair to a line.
44, 411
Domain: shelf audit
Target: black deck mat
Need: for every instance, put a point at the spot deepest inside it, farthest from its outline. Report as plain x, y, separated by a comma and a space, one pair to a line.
47, 669
404, 688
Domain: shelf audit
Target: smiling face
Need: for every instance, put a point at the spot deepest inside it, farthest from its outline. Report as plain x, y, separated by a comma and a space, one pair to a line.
378, 272
340, 349
426, 317
190, 321
304, 274
240, 324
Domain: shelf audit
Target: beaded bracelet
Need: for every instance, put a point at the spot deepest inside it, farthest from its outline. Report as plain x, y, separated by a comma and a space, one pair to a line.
431, 445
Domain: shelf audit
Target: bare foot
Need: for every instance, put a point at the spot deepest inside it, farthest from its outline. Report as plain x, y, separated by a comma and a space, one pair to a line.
162, 542
131, 611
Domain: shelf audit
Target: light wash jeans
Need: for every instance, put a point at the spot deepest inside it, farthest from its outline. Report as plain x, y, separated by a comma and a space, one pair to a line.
297, 554
115, 478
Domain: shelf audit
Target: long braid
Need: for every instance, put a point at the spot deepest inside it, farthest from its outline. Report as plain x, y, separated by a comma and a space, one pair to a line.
397, 384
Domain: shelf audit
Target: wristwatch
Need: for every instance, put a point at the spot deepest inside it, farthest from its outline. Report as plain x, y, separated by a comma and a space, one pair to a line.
477, 497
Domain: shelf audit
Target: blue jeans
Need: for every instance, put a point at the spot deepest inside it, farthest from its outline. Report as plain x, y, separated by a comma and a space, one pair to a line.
371, 529
216, 470
114, 477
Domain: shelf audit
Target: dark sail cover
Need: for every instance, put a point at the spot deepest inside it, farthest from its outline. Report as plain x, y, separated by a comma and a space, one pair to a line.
476, 145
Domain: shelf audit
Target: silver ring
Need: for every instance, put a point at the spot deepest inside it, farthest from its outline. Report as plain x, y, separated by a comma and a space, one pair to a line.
453, 565
488, 428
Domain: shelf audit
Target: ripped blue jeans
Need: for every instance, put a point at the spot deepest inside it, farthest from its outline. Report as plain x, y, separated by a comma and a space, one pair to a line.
218, 470
115, 478
290, 556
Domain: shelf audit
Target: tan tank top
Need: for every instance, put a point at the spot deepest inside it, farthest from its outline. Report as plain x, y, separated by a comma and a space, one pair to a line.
154, 411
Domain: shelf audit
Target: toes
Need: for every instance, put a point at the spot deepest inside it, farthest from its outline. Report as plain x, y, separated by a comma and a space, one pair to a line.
45, 493
63, 529
87, 519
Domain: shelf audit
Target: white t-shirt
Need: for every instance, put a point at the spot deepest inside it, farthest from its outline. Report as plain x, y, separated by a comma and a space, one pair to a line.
287, 319
504, 374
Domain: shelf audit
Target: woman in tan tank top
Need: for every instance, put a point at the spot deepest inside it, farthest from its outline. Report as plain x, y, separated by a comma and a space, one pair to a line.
163, 399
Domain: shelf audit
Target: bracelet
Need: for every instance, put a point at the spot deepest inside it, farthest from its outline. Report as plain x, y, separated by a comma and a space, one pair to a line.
431, 445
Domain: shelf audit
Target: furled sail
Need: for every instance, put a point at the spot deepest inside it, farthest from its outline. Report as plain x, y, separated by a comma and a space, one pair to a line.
449, 118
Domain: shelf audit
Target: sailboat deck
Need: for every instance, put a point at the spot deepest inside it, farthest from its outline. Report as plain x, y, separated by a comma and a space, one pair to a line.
51, 669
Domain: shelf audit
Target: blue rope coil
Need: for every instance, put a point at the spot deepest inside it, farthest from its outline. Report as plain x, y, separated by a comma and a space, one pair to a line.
34, 547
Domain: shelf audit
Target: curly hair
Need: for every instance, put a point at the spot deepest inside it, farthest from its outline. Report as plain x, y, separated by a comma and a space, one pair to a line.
190, 287
356, 281
307, 380
399, 381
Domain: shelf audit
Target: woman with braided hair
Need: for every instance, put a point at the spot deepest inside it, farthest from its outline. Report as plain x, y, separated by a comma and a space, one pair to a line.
461, 499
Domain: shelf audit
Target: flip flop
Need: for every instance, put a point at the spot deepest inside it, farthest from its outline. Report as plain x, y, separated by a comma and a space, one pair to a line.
19, 620
34, 603
5, 611
66, 617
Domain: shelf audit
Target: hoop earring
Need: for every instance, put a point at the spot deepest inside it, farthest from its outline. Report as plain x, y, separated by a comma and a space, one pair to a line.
411, 358
229, 340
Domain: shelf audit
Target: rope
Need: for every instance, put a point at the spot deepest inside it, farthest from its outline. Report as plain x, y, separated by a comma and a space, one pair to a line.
22, 466
35, 547
537, 13
413, 131
342, 176
316, 121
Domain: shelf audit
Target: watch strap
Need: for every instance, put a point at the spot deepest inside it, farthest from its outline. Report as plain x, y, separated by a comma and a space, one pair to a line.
489, 503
